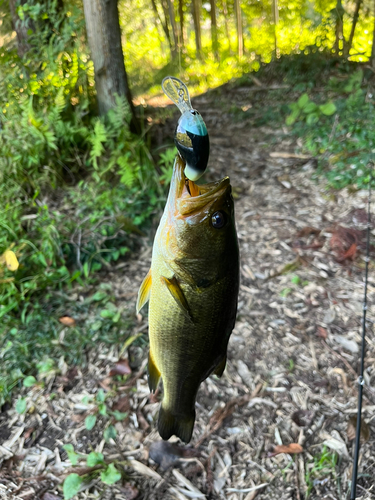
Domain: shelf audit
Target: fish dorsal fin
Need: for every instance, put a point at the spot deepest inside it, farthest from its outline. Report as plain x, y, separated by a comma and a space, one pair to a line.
144, 291
178, 295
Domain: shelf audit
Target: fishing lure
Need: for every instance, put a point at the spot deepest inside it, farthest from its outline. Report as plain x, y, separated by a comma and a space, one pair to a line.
191, 136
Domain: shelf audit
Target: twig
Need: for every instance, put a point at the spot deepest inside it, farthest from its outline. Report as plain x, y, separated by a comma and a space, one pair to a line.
222, 413
346, 363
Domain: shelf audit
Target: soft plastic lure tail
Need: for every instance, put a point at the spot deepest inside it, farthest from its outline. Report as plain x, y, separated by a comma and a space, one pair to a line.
191, 136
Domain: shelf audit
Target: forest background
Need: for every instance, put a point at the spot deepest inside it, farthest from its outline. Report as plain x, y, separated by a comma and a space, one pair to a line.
81, 172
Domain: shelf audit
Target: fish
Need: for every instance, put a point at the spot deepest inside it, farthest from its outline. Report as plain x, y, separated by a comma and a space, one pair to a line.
192, 289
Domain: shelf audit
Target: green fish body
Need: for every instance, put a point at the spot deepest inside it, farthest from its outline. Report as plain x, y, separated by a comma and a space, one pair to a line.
192, 288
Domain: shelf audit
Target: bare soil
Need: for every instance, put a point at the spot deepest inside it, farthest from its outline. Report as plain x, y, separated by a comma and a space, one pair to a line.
293, 357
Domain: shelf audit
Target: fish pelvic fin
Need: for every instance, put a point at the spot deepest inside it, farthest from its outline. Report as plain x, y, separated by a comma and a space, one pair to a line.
219, 369
144, 291
170, 424
153, 374
178, 295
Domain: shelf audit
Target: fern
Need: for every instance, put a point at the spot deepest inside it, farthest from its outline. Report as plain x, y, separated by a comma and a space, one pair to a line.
97, 140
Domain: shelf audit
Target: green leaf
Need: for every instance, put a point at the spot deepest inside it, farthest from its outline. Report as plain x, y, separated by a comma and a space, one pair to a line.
312, 118
328, 108
102, 409
109, 433
100, 396
21, 406
106, 313
86, 269
111, 475
295, 279
119, 415
90, 422
310, 107
29, 381
71, 486
94, 458
72, 455
303, 100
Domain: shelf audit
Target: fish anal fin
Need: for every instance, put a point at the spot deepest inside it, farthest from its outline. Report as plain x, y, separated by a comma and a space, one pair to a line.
153, 374
178, 295
144, 291
219, 370
170, 424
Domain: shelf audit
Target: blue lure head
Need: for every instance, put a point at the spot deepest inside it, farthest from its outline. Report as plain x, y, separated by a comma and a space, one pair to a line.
191, 136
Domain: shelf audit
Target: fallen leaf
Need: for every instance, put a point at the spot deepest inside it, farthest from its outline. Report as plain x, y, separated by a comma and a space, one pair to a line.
11, 260
306, 231
122, 404
129, 491
286, 448
121, 368
321, 332
303, 418
352, 429
67, 321
50, 496
167, 454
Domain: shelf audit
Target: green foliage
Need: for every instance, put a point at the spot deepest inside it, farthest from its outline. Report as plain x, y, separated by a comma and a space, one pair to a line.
306, 110
110, 475
321, 467
71, 486
344, 142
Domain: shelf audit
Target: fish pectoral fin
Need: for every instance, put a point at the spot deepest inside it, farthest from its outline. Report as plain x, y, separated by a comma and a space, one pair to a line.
178, 295
144, 291
219, 370
153, 374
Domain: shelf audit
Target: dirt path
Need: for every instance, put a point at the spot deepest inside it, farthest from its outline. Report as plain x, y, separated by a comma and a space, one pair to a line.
292, 359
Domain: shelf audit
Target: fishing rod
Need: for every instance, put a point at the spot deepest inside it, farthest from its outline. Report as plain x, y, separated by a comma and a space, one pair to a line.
361, 381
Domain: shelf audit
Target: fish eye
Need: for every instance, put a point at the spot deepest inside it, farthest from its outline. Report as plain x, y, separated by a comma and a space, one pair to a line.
218, 220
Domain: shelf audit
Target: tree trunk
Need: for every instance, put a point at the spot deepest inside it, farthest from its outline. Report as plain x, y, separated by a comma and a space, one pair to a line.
339, 12
20, 27
164, 25
225, 10
238, 13
182, 27
355, 19
174, 27
215, 45
197, 26
275, 9
104, 38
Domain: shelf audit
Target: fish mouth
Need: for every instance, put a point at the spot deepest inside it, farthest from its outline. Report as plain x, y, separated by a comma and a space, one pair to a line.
189, 197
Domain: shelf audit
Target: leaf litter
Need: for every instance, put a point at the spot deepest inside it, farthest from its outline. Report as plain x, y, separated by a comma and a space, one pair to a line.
292, 358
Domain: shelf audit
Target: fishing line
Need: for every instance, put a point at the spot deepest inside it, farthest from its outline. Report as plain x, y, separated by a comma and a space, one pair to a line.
361, 381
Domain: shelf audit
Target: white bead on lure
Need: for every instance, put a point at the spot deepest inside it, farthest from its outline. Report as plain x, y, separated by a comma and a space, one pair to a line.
191, 136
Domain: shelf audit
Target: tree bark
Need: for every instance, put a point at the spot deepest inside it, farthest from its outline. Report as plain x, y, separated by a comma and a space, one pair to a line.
164, 25
275, 9
197, 26
182, 26
355, 19
104, 38
238, 13
339, 13
20, 27
225, 10
215, 45
172, 19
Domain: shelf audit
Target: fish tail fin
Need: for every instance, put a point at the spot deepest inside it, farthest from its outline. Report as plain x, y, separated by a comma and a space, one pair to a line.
170, 424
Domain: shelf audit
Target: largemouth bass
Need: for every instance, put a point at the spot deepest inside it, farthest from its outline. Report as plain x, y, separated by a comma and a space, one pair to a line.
192, 287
